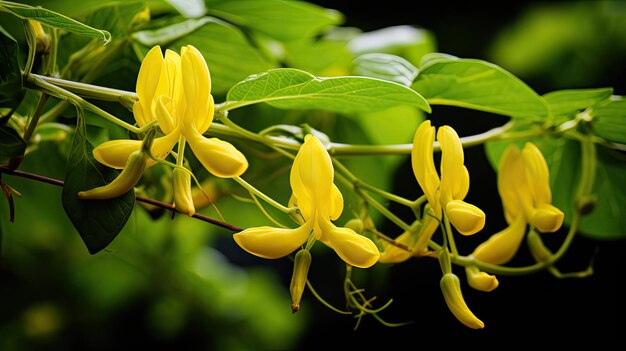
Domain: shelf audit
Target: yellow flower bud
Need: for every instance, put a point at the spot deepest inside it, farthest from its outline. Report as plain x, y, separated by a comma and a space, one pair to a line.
124, 182
480, 280
546, 218
183, 201
301, 266
270, 242
466, 218
42, 38
451, 288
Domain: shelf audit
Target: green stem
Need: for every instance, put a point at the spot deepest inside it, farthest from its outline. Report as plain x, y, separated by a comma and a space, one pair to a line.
261, 195
90, 90
387, 195
36, 115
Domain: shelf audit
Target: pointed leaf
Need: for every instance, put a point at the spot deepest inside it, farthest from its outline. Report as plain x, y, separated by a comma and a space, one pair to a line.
295, 89
55, 20
564, 104
385, 66
97, 221
478, 85
609, 121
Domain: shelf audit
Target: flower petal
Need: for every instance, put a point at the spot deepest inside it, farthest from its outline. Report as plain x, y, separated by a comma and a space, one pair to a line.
312, 176
270, 242
353, 248
336, 203
502, 246
466, 218
197, 88
481, 281
537, 174
454, 175
394, 254
147, 82
546, 218
511, 179
219, 157
423, 163
114, 153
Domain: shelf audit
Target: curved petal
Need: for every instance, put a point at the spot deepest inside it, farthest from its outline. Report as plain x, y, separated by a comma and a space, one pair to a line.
481, 281
454, 175
312, 175
163, 114
219, 157
197, 89
336, 203
466, 218
270, 242
537, 174
114, 153
511, 179
546, 218
148, 80
502, 246
354, 249
301, 196
423, 163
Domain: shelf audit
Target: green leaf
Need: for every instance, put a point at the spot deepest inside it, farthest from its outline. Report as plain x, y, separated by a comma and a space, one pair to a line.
322, 57
608, 218
384, 66
189, 8
167, 34
97, 221
479, 85
11, 92
55, 20
295, 89
12, 145
566, 103
279, 19
228, 53
609, 120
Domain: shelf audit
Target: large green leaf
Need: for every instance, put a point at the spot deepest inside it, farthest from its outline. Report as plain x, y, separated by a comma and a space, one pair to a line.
11, 92
12, 145
279, 19
97, 221
166, 34
608, 218
320, 57
228, 53
55, 20
295, 89
609, 120
385, 66
479, 85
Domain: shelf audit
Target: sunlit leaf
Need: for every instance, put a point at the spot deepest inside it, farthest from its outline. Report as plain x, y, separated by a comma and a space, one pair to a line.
279, 19
296, 89
566, 103
384, 66
479, 85
97, 221
55, 20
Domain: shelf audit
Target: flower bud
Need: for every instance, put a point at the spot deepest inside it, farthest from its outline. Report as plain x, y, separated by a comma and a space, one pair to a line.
42, 38
183, 201
546, 218
355, 224
451, 288
480, 280
301, 266
124, 182
539, 251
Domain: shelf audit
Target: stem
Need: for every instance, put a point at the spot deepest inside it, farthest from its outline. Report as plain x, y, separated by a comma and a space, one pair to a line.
261, 195
36, 115
150, 201
89, 90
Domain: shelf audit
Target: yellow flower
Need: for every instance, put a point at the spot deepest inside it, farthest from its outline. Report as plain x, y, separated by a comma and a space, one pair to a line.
175, 90
320, 202
451, 288
524, 187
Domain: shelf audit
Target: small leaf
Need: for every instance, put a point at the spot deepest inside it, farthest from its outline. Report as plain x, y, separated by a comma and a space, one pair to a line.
167, 34
609, 120
385, 66
11, 92
566, 103
295, 89
189, 8
97, 221
56, 20
479, 85
12, 145
278, 19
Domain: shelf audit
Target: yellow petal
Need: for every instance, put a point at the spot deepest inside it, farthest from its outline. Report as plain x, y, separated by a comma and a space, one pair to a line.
270, 242
480, 280
546, 218
114, 153
163, 113
219, 157
511, 179
537, 174
394, 254
425, 232
451, 288
423, 163
336, 203
313, 176
466, 218
147, 82
353, 248
454, 175
183, 200
502, 246
197, 89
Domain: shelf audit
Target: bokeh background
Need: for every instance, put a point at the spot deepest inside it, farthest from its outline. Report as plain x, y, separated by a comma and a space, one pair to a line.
168, 284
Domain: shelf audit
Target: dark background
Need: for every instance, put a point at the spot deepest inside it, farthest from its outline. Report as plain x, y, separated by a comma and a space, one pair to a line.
532, 310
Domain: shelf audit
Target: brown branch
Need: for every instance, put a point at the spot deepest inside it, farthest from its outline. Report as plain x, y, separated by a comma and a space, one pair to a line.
150, 201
